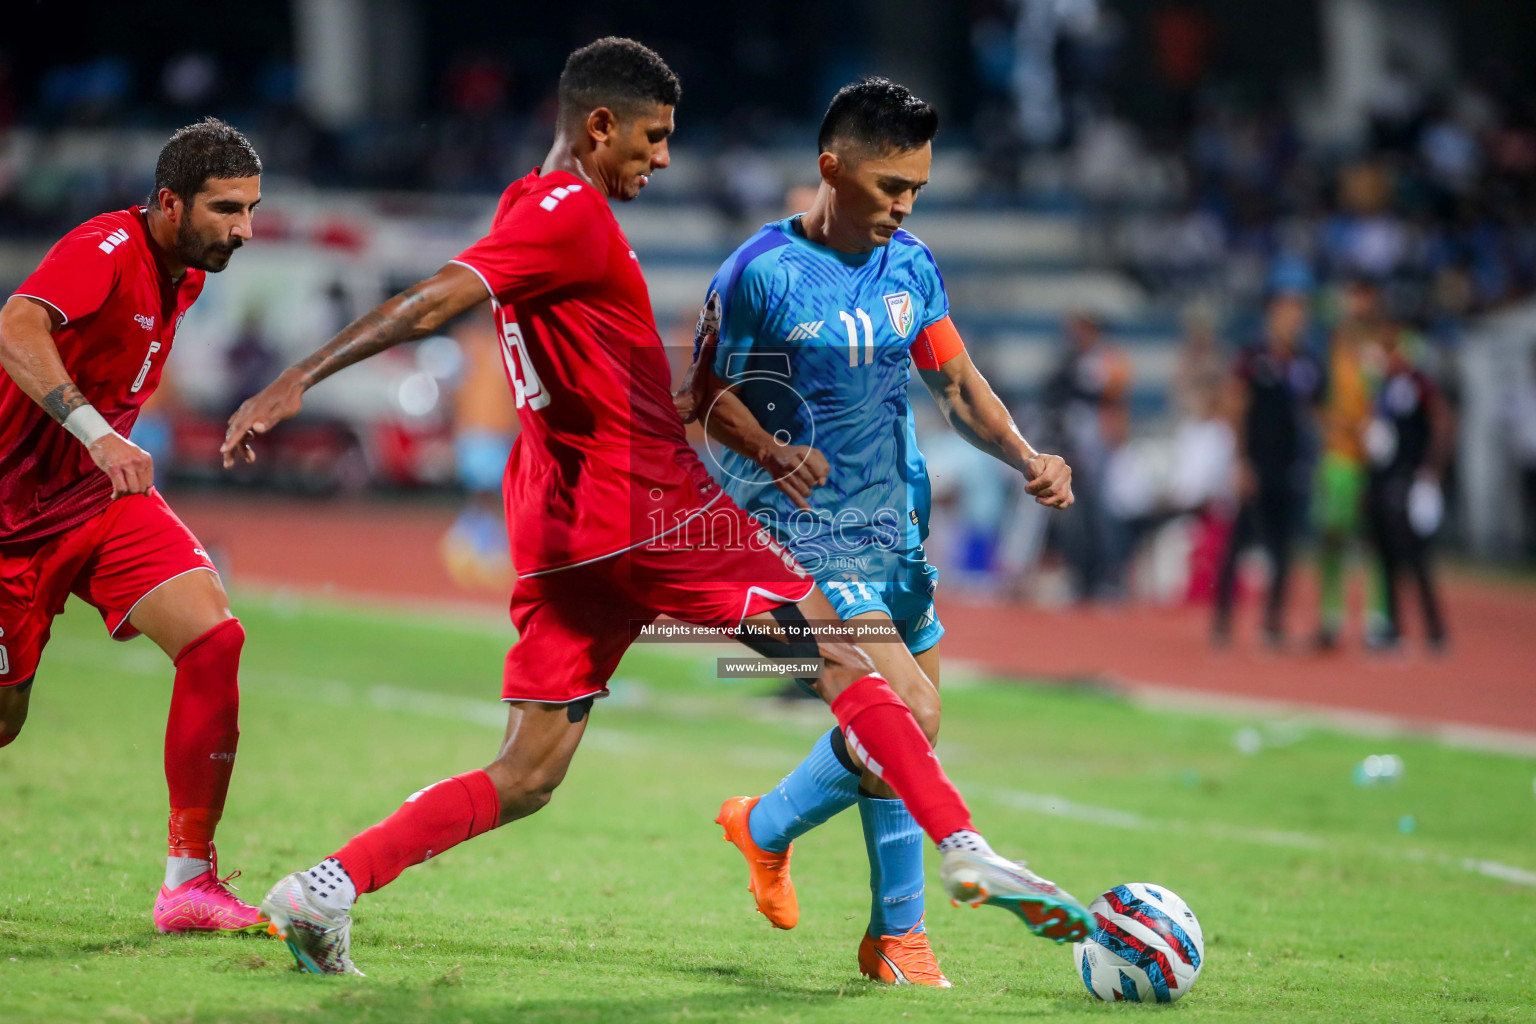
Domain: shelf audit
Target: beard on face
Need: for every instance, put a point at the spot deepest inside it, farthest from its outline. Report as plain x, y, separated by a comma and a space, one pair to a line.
210, 254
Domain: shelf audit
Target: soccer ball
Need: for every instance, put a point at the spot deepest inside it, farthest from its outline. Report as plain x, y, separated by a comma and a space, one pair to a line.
1148, 946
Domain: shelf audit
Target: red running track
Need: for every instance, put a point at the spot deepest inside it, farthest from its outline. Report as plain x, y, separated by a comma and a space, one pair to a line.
1487, 679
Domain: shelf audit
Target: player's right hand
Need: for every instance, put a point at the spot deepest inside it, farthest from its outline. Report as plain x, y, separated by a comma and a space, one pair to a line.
128, 466
698, 382
261, 412
796, 469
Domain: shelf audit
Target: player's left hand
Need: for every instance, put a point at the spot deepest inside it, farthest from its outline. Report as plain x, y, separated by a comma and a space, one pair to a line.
1050, 480
260, 413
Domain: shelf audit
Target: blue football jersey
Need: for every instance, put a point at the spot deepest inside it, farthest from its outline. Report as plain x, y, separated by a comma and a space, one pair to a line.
817, 343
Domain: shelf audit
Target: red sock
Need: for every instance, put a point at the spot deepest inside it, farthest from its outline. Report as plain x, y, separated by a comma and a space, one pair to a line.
201, 735
433, 820
882, 733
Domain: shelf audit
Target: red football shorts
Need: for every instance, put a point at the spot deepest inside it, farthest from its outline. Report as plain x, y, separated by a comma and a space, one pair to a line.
111, 561
575, 624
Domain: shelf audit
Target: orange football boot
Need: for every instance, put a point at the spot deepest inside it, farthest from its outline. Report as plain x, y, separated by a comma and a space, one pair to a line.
770, 883
901, 960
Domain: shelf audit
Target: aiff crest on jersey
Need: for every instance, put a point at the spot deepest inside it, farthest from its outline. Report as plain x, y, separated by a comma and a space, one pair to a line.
898, 307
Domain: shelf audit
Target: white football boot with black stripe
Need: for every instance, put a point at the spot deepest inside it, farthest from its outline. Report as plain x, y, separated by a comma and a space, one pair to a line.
319, 938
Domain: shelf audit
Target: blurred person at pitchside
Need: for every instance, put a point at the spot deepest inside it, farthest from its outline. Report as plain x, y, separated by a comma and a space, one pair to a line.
1354, 371
475, 549
1520, 415
1274, 385
1203, 474
1408, 441
1086, 404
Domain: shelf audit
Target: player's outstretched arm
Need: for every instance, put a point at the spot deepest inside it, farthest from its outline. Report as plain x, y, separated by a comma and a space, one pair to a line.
796, 469
978, 415
414, 313
30, 357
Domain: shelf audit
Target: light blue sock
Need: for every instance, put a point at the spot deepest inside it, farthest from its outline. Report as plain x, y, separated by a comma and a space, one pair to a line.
895, 845
818, 788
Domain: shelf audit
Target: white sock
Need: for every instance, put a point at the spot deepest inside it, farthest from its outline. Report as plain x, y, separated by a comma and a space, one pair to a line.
970, 842
181, 870
331, 886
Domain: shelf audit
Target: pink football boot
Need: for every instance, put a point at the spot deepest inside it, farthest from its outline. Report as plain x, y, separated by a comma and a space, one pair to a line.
206, 904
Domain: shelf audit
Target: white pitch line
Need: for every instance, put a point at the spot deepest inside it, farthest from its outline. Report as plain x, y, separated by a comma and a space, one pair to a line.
487, 618
1493, 869
463, 709
1061, 807
491, 715
1346, 721
1460, 735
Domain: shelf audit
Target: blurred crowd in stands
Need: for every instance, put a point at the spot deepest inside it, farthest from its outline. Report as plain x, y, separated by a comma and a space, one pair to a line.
1439, 207
1321, 286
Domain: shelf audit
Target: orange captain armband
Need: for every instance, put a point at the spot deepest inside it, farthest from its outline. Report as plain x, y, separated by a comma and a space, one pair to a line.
936, 345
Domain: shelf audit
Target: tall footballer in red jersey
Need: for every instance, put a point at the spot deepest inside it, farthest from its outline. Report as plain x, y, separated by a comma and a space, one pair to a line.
83, 343
614, 520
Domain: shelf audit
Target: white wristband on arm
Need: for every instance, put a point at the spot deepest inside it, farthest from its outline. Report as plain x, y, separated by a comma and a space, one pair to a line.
87, 425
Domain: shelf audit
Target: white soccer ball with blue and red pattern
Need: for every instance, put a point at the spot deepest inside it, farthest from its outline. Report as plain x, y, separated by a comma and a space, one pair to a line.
1148, 947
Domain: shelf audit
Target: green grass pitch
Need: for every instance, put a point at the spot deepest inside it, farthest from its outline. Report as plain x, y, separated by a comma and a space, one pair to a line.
619, 902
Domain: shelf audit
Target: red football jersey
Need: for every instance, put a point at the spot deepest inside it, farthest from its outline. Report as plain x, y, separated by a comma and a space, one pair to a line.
120, 314
602, 463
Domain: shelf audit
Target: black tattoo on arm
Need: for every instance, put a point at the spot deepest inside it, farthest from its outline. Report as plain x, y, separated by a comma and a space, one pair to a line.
62, 401
388, 325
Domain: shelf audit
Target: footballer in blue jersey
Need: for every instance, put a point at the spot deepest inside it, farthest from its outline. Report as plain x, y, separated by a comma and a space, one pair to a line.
815, 344
805, 348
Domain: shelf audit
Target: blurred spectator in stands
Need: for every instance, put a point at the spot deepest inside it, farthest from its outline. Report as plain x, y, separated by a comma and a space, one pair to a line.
1409, 443
1064, 53
1086, 407
1367, 236
1354, 369
1274, 384
475, 548
744, 186
970, 501
995, 126
1449, 151
189, 81
250, 362
1183, 38
1396, 105
1108, 160
470, 144
477, 85
1202, 481
1200, 372
1520, 416
88, 93
1036, 91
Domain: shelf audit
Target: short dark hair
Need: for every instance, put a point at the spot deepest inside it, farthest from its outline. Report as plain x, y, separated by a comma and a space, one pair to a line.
208, 149
880, 115
616, 73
